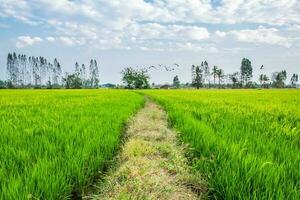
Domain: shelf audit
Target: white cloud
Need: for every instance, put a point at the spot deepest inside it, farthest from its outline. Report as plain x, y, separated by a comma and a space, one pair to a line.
261, 36
50, 39
24, 41
272, 12
196, 33
72, 41
54, 22
17, 9
188, 46
220, 34
168, 32
294, 27
67, 41
128, 23
76, 33
119, 13
75, 29
71, 7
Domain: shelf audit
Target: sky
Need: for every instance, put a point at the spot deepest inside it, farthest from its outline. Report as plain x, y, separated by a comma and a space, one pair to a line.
139, 33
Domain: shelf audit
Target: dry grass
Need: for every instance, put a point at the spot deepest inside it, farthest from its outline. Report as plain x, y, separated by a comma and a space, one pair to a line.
151, 164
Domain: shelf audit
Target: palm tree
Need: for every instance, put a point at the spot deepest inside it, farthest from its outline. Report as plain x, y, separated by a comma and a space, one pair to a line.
261, 79
294, 80
220, 74
214, 73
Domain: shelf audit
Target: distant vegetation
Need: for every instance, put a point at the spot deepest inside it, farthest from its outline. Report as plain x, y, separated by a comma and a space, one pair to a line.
202, 77
38, 72
245, 142
135, 78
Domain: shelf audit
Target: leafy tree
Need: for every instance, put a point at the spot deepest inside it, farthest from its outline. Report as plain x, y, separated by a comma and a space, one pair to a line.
83, 75
142, 79
72, 81
94, 74
9, 85
2, 84
77, 69
128, 77
57, 72
9, 67
36, 74
26, 71
176, 82
294, 80
214, 73
197, 76
49, 85
22, 69
193, 73
12, 68
15, 69
135, 79
206, 73
279, 78
220, 74
234, 77
263, 79
43, 71
246, 70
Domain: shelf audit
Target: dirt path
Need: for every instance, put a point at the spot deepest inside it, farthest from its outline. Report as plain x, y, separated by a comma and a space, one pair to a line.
151, 165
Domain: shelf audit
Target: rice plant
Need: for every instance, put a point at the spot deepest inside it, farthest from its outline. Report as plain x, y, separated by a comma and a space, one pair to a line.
245, 142
54, 142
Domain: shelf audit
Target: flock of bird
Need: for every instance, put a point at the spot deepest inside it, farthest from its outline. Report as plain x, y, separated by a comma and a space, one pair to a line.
173, 67
165, 67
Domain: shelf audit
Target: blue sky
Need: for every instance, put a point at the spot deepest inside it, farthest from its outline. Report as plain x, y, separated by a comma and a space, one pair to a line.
123, 33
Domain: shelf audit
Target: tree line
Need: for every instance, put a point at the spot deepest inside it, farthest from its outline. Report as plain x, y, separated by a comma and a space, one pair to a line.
83, 77
202, 75
24, 71
38, 72
205, 77
31, 71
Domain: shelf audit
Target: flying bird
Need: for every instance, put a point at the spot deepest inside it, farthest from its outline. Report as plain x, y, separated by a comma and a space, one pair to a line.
262, 67
152, 67
168, 68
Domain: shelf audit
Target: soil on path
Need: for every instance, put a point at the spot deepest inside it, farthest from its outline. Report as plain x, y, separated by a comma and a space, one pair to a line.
151, 164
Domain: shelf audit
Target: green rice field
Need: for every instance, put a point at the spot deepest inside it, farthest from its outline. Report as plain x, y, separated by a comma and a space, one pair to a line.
245, 142
54, 142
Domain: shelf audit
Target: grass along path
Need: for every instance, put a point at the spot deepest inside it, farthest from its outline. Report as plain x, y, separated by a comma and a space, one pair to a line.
151, 164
